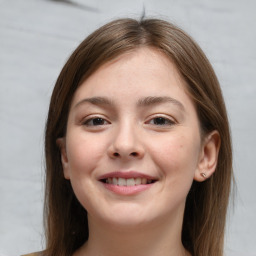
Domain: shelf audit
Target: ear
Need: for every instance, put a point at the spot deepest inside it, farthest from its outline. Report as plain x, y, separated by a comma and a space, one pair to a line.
208, 157
61, 142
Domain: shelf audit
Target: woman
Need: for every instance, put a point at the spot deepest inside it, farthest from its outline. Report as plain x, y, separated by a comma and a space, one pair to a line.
138, 149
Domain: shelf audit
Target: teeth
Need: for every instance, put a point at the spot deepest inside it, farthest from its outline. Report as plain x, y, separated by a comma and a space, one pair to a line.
121, 182
144, 181
137, 181
128, 182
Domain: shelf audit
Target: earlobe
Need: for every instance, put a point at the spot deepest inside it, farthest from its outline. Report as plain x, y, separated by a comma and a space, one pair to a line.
61, 142
208, 158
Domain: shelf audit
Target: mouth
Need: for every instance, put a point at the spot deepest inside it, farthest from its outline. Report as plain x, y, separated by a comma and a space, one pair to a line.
128, 182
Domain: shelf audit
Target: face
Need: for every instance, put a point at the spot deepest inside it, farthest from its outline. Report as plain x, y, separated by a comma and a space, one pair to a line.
133, 145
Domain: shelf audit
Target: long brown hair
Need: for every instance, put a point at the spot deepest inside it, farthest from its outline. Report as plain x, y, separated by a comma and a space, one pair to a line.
206, 206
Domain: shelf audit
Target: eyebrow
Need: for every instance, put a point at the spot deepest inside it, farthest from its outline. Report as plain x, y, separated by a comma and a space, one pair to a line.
95, 101
147, 101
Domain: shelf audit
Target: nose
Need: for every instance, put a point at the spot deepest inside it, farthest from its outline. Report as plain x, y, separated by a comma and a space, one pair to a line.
126, 144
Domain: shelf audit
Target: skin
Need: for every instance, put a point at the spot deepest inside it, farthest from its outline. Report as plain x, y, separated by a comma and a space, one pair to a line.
125, 132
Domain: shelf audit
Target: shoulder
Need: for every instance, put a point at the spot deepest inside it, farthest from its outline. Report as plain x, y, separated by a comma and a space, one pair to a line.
34, 254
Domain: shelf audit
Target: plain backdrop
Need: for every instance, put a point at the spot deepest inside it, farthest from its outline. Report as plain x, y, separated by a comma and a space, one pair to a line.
36, 38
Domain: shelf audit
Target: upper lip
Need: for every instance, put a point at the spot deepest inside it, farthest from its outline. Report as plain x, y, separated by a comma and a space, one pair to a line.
126, 175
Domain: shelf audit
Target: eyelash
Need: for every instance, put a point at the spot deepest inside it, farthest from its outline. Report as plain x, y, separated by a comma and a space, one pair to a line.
167, 121
99, 121
90, 121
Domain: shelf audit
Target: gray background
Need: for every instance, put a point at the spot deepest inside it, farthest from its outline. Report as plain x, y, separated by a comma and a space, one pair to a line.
37, 36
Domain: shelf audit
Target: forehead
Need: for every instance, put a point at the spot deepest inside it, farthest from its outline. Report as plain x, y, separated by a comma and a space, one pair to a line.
144, 69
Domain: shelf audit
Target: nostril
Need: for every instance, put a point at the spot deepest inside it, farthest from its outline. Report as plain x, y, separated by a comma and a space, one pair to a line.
117, 154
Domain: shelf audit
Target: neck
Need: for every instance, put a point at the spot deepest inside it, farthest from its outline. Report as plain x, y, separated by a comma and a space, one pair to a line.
161, 239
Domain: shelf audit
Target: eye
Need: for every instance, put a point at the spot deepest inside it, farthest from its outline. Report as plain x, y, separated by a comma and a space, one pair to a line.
95, 121
161, 121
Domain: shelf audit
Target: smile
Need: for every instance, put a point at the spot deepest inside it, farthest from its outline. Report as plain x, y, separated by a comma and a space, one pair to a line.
128, 182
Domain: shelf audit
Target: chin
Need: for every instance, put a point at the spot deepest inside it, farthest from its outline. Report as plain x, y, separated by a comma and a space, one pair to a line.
124, 216
127, 222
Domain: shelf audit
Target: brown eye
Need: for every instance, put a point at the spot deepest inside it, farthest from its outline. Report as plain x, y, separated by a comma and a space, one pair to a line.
161, 121
97, 121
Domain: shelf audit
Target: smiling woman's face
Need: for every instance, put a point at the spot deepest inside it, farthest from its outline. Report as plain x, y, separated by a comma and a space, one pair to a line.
133, 145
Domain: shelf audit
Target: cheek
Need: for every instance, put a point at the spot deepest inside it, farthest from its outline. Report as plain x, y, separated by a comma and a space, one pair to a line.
177, 155
83, 153
176, 160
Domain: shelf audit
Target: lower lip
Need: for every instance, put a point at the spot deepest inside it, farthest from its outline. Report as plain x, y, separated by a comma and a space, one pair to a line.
127, 190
